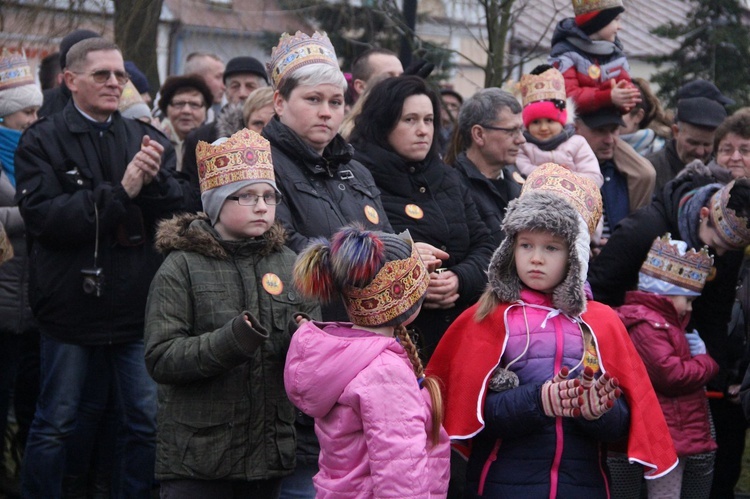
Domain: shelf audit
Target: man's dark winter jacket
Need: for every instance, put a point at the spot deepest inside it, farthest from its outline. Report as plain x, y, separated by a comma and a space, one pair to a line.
68, 187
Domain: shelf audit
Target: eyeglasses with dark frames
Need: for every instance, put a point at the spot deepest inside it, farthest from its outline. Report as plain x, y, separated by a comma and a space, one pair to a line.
513, 132
194, 106
248, 199
103, 75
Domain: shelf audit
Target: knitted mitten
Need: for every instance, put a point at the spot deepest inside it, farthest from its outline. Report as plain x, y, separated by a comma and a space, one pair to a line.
599, 395
562, 396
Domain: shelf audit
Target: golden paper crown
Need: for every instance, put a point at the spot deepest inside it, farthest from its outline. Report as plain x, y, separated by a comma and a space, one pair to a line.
14, 70
581, 192
732, 229
546, 86
299, 50
397, 287
668, 261
244, 156
129, 97
581, 7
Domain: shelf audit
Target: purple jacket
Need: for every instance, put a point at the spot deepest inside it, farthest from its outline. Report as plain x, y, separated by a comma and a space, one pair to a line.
371, 418
679, 379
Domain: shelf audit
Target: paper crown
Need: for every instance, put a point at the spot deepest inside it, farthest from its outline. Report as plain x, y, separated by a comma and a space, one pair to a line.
244, 156
581, 192
669, 261
397, 287
14, 70
581, 7
546, 86
299, 50
129, 97
732, 229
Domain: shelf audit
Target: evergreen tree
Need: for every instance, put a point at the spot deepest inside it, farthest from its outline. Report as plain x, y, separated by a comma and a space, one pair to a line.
715, 46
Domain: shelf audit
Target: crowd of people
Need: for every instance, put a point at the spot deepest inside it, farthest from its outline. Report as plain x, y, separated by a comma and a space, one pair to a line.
279, 280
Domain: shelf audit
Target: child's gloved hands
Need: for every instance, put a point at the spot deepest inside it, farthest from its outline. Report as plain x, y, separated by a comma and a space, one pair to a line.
697, 345
598, 395
562, 396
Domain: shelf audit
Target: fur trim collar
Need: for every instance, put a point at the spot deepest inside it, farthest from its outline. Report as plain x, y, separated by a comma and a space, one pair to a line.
193, 232
538, 210
230, 120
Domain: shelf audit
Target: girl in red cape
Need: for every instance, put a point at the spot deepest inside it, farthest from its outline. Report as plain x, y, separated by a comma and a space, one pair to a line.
533, 374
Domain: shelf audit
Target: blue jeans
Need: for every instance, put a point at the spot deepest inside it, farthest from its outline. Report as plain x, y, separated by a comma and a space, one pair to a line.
64, 370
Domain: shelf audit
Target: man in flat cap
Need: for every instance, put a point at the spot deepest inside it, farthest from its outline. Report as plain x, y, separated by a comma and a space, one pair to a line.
701, 108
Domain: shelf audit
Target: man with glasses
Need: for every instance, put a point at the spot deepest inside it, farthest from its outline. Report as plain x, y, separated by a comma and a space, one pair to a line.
490, 134
184, 101
91, 187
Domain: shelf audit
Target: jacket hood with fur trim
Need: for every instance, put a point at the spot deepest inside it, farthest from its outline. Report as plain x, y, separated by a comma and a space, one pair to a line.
193, 232
543, 211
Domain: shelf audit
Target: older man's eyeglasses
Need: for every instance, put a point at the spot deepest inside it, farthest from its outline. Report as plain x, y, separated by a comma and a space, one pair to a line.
103, 75
513, 132
247, 199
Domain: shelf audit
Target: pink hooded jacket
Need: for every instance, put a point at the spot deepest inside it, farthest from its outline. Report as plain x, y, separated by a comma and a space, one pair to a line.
371, 418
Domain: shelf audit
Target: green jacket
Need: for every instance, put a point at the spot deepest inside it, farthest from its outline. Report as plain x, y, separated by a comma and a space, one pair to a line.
223, 412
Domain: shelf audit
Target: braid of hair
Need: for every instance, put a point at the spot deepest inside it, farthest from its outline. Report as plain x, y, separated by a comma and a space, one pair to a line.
430, 383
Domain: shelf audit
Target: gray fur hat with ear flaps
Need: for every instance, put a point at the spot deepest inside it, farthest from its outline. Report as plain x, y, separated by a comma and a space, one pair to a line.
542, 211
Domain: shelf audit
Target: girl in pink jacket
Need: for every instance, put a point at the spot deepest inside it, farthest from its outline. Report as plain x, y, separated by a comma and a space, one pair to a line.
377, 417
549, 136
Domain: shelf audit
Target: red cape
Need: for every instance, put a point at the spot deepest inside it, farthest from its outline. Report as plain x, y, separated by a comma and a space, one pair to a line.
470, 350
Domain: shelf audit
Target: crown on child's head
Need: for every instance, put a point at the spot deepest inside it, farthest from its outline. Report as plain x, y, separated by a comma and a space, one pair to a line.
299, 50
579, 191
731, 228
398, 286
581, 7
668, 261
14, 70
549, 85
244, 156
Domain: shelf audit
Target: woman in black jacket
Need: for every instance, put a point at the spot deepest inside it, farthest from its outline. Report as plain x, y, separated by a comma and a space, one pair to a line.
394, 138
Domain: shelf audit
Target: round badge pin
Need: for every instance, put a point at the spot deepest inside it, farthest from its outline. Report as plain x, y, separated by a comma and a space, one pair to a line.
594, 71
414, 211
372, 214
272, 284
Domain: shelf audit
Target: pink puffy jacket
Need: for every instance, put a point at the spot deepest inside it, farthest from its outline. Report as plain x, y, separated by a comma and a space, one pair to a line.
371, 418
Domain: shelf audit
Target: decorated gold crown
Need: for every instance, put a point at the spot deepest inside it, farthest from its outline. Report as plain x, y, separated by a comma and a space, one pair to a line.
669, 261
732, 229
299, 50
546, 86
14, 70
244, 156
397, 287
581, 192
585, 6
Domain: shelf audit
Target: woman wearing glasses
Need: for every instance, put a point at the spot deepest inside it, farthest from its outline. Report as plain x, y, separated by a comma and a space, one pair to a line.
184, 101
395, 138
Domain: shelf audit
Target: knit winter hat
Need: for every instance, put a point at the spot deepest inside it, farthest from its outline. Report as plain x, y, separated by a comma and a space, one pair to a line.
593, 15
669, 269
380, 277
18, 90
137, 77
544, 97
297, 51
539, 210
231, 164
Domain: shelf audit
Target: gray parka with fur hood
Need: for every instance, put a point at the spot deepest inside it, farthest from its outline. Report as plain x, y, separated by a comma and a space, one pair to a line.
223, 412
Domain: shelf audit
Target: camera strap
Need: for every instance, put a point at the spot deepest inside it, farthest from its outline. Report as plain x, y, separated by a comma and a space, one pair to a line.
96, 234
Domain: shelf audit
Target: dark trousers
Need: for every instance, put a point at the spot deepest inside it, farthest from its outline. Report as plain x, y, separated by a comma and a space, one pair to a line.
220, 489
730, 424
